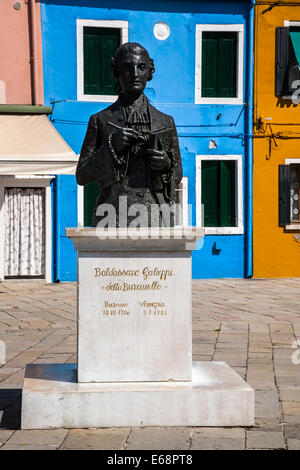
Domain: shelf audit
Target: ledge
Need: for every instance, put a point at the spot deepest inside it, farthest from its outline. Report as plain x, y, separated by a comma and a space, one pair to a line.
24, 109
135, 239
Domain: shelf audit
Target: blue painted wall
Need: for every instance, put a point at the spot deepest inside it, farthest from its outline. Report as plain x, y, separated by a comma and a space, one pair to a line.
172, 90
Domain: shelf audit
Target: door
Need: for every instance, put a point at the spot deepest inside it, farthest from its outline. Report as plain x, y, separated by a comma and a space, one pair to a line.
24, 233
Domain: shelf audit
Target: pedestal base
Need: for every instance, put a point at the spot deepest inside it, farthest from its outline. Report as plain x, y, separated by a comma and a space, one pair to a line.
217, 396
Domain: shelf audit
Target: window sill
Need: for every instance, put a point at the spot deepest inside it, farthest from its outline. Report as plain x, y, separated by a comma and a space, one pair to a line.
224, 230
237, 100
292, 227
98, 98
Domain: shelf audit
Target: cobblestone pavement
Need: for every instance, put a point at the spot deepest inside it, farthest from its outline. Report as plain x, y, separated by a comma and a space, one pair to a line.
250, 324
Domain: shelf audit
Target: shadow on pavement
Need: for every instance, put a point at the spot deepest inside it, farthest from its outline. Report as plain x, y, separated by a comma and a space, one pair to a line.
10, 408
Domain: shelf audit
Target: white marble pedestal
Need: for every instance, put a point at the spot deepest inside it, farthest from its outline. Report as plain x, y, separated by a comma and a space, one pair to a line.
135, 342
216, 396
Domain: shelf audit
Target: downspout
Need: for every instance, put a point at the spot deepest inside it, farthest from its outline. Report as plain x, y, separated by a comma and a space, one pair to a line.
34, 53
56, 230
249, 153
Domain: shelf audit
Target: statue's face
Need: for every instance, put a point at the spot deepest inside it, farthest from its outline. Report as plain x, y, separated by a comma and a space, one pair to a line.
133, 73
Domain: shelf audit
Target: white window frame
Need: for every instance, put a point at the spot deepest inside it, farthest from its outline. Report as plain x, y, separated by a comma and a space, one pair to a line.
292, 161
80, 206
291, 23
183, 200
239, 228
81, 23
32, 182
239, 28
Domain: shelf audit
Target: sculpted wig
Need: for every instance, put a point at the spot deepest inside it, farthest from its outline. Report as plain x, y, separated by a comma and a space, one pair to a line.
122, 51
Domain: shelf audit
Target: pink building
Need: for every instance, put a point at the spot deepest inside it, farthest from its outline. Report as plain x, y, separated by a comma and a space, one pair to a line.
32, 152
21, 66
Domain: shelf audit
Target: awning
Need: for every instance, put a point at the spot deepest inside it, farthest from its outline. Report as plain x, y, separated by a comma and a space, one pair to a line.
29, 144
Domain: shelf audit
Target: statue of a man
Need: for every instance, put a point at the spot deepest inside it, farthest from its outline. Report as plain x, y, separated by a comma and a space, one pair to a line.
130, 148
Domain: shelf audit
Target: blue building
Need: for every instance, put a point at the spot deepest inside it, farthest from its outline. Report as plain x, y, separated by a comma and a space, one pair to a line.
203, 53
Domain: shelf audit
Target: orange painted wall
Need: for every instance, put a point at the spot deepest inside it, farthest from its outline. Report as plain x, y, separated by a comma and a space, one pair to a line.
276, 253
15, 62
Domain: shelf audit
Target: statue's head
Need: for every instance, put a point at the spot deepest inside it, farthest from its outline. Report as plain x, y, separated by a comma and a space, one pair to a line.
132, 67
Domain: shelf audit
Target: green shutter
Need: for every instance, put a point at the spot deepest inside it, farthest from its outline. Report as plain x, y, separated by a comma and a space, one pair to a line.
109, 44
218, 182
284, 195
91, 49
91, 192
209, 66
210, 192
99, 45
227, 65
227, 193
219, 64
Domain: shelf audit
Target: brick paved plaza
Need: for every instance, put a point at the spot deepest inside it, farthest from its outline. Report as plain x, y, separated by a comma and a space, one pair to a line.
250, 324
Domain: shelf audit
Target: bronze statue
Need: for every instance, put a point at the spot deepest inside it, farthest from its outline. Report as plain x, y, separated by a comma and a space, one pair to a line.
130, 148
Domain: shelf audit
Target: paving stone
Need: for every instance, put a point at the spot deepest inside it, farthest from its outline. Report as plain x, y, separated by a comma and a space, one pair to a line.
290, 395
291, 408
292, 431
27, 447
4, 435
41, 437
228, 345
294, 444
260, 376
96, 439
267, 424
220, 433
256, 385
201, 443
265, 440
292, 419
172, 438
266, 404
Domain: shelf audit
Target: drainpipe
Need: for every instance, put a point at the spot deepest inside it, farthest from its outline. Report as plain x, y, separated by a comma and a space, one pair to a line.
34, 54
56, 229
249, 153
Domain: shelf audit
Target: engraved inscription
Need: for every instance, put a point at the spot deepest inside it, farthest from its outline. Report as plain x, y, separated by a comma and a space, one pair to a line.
150, 279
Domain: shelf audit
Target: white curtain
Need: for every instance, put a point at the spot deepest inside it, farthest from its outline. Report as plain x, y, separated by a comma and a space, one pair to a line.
24, 232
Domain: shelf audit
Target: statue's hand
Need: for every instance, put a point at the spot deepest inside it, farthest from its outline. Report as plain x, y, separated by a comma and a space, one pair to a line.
159, 160
125, 137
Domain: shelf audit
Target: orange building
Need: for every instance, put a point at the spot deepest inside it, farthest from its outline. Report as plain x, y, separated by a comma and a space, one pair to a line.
276, 143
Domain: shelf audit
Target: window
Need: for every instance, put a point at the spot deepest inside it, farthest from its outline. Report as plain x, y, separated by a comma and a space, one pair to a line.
88, 196
219, 64
99, 45
97, 42
220, 194
287, 61
289, 193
